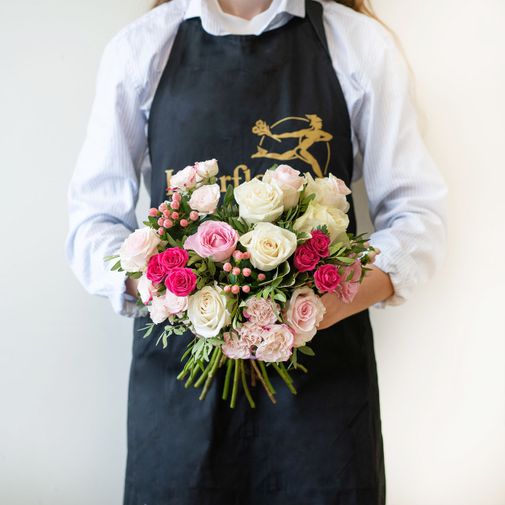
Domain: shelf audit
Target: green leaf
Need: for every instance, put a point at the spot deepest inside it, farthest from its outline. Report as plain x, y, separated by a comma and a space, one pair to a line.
280, 296
305, 349
117, 266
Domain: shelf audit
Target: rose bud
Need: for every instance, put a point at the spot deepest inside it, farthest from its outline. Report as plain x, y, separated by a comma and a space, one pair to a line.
193, 215
227, 288
246, 272
261, 277
236, 271
246, 288
246, 255
237, 255
161, 231
184, 223
160, 221
235, 289
166, 214
175, 205
153, 212
168, 223
163, 207
175, 215
227, 267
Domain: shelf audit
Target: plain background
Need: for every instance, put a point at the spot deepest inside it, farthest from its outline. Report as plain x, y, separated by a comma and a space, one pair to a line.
64, 355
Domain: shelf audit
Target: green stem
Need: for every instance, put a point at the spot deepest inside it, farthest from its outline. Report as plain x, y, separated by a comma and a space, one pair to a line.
301, 367
268, 389
212, 372
265, 376
235, 385
185, 369
202, 377
244, 385
285, 378
229, 366
191, 378
286, 373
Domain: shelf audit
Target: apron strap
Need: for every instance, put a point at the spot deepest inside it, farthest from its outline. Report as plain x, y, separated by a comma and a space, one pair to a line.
314, 12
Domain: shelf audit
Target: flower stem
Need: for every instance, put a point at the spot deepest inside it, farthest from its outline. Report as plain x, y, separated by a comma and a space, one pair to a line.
212, 372
244, 385
235, 385
213, 358
226, 388
285, 378
185, 369
269, 389
301, 367
265, 377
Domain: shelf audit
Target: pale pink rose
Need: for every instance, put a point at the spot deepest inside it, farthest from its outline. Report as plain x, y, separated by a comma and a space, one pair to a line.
205, 199
206, 169
234, 347
260, 311
277, 345
167, 305
146, 289
304, 311
213, 239
289, 180
185, 178
138, 247
347, 290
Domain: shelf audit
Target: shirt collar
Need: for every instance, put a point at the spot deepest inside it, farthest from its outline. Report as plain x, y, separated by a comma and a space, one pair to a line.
217, 22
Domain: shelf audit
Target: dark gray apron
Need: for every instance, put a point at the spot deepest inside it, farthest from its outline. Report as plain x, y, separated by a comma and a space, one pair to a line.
224, 97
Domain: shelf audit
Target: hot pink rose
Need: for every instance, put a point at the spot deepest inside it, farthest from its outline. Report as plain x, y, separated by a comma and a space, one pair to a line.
304, 311
213, 239
181, 281
327, 278
174, 257
319, 243
306, 259
260, 311
156, 271
277, 344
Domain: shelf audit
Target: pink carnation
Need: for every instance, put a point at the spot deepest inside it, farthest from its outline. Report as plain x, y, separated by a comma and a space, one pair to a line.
261, 312
181, 281
213, 239
277, 344
347, 290
234, 347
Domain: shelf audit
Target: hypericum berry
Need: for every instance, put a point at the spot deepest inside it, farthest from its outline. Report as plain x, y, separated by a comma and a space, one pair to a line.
227, 267
176, 197
246, 272
227, 288
163, 207
175, 205
154, 212
184, 223
193, 215
161, 231
261, 277
237, 255
246, 255
175, 215
236, 271
246, 288
235, 289
167, 223
166, 214
160, 221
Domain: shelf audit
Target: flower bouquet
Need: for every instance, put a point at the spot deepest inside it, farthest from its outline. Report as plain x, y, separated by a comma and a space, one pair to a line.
245, 276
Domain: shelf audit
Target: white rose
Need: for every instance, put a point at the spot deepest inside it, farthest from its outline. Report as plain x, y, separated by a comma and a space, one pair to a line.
138, 247
207, 311
269, 245
185, 178
316, 214
146, 289
289, 180
330, 191
205, 199
167, 305
259, 201
206, 169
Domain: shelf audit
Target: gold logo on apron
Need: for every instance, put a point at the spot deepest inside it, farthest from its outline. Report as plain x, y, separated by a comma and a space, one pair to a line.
307, 136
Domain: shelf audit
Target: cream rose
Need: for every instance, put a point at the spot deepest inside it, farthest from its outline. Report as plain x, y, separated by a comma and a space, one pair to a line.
316, 214
259, 201
304, 311
206, 169
269, 245
289, 180
166, 305
330, 191
136, 250
207, 311
205, 199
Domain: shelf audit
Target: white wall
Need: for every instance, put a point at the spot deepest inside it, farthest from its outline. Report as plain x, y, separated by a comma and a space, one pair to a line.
64, 355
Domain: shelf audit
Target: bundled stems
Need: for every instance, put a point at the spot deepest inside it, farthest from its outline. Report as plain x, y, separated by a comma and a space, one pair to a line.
226, 388
281, 370
268, 387
213, 367
244, 384
235, 384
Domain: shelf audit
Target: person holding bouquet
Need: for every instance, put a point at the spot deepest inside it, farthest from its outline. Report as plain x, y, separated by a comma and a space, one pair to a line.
321, 88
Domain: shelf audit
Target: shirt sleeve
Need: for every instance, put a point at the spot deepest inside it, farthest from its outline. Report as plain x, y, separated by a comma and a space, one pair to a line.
103, 190
406, 192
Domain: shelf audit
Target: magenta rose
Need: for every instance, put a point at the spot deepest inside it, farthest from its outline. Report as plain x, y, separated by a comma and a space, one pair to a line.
156, 271
180, 281
327, 278
214, 239
306, 259
319, 243
173, 258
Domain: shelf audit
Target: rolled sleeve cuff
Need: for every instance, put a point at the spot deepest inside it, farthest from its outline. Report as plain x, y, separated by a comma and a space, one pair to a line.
122, 302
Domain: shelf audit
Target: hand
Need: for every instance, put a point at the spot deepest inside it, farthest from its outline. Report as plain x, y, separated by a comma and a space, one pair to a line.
131, 286
334, 310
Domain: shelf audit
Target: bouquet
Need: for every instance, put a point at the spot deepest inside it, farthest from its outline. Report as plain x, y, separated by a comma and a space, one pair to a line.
246, 276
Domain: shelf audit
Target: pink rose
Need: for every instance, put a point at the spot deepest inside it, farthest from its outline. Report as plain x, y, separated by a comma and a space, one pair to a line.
146, 289
327, 278
166, 305
347, 290
304, 311
305, 259
138, 247
185, 178
174, 257
319, 243
205, 199
181, 281
289, 181
260, 311
213, 239
156, 271
277, 344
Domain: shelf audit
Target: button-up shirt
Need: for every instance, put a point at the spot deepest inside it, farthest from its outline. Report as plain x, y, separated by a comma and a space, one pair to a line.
407, 195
